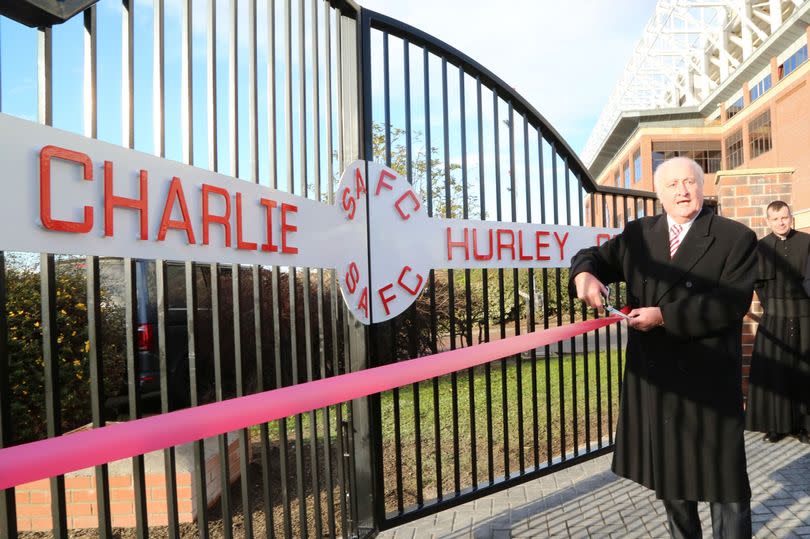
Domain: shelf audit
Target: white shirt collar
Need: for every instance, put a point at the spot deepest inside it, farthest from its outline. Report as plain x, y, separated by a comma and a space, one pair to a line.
684, 226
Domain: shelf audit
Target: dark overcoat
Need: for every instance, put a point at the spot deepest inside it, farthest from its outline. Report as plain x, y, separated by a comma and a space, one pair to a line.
680, 427
779, 385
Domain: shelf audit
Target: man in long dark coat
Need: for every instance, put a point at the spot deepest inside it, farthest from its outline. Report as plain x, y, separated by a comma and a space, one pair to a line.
690, 277
779, 386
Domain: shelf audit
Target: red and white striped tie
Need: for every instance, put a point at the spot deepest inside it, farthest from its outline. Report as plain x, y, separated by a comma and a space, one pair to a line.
674, 239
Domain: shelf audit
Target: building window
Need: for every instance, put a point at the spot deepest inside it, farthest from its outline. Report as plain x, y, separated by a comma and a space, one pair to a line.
761, 87
734, 108
759, 134
795, 60
627, 175
706, 153
734, 150
617, 179
637, 166
639, 209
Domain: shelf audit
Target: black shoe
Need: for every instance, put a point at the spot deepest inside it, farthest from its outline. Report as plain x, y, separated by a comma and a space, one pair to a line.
773, 437
803, 437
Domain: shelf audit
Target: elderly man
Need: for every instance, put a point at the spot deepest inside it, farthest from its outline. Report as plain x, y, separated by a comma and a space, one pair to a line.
779, 388
690, 277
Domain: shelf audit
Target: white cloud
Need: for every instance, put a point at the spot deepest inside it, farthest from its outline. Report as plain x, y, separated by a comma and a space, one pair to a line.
563, 57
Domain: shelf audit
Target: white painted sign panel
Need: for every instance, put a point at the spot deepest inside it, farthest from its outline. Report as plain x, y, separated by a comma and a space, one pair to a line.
66, 193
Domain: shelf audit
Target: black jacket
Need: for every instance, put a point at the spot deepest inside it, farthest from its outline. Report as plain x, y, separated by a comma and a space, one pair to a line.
680, 428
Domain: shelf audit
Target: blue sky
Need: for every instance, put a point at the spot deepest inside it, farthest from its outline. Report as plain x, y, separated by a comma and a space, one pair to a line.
563, 57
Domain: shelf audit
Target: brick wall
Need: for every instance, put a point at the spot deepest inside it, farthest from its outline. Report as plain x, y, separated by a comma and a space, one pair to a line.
744, 199
34, 499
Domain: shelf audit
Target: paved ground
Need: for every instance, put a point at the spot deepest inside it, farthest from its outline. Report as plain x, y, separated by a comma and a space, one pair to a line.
589, 501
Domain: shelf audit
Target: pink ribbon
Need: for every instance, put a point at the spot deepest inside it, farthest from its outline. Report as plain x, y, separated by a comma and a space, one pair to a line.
56, 456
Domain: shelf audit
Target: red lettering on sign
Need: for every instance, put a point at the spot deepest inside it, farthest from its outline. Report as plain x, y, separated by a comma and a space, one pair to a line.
166, 222
416, 204
268, 207
110, 201
503, 244
464, 243
359, 185
386, 299
352, 278
240, 244
600, 237
287, 228
561, 243
348, 203
382, 183
476, 254
46, 154
541, 245
520, 247
363, 303
207, 218
401, 282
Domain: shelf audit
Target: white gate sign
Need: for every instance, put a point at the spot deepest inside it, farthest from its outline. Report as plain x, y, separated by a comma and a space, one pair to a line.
76, 195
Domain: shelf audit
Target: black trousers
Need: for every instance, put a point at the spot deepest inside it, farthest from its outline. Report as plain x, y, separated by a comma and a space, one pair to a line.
730, 520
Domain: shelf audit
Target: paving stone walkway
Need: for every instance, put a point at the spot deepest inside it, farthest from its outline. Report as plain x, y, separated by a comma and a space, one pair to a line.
587, 500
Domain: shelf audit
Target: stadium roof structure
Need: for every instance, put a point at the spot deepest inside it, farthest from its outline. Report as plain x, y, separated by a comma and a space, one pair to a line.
692, 55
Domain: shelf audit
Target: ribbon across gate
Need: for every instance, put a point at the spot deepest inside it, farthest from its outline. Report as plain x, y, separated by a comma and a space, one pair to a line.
56, 456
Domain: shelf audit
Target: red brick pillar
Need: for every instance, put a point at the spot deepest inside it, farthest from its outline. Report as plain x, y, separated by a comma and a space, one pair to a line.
744, 197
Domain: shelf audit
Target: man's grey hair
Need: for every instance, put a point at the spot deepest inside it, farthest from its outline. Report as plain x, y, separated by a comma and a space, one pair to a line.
698, 171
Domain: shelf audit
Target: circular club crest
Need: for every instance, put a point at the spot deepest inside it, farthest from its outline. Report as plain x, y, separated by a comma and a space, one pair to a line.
383, 271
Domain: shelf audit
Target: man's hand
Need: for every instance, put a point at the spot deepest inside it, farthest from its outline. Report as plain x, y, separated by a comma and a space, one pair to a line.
590, 290
645, 318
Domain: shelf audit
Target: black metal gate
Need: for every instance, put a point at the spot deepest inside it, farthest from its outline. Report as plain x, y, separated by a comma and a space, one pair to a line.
318, 84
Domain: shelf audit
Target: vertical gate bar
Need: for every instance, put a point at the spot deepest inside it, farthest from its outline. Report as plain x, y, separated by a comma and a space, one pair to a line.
619, 347
291, 188
199, 481
616, 290
222, 439
134, 393
127, 73
451, 288
485, 282
258, 290
282, 423
412, 345
90, 118
211, 85
50, 356
432, 279
597, 348
8, 506
532, 305
572, 319
158, 80
258, 330
244, 437
293, 275
585, 347
169, 458
515, 294
609, 384
467, 275
395, 392
327, 449
558, 291
186, 67
547, 348
316, 174
501, 306
95, 360
48, 293
159, 138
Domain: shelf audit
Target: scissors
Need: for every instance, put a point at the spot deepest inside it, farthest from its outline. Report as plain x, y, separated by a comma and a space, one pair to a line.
610, 308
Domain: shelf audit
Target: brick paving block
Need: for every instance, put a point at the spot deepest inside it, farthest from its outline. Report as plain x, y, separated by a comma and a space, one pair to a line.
462, 522
405, 533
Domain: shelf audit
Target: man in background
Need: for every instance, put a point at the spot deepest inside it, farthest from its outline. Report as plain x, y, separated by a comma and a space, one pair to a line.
690, 276
779, 385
